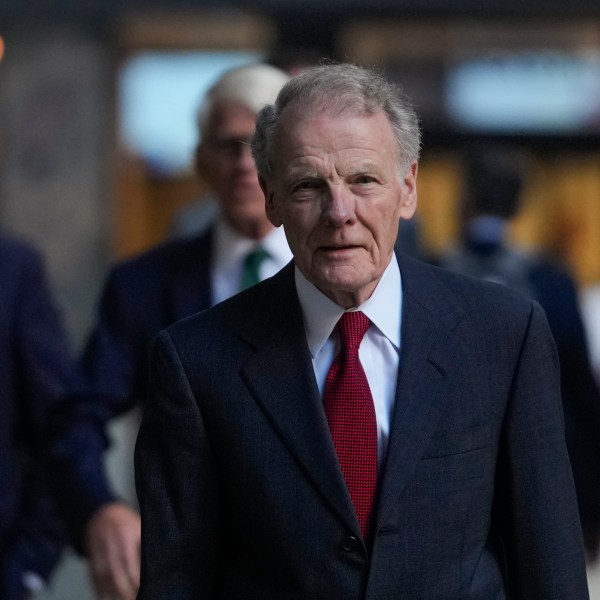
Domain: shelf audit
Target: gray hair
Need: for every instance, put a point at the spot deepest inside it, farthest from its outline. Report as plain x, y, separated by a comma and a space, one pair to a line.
337, 88
253, 86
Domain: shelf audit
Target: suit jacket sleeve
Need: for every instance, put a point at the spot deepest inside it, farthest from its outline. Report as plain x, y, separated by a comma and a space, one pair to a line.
536, 498
43, 369
581, 399
177, 487
109, 384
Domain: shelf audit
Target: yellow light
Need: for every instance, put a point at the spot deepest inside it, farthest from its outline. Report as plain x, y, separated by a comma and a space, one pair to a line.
1, 47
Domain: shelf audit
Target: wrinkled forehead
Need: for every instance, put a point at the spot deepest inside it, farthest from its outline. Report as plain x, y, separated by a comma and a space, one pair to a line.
297, 114
334, 106
296, 120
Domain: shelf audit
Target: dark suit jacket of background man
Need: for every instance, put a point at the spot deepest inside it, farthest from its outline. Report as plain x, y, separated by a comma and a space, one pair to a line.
554, 288
35, 365
141, 296
242, 494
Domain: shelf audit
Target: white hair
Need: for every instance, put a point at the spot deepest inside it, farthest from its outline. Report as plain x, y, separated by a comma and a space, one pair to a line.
253, 86
339, 88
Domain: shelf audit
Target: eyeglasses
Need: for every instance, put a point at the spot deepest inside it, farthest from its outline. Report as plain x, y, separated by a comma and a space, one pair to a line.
232, 146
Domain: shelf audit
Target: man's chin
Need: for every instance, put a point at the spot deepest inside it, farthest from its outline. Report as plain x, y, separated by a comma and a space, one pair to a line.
344, 288
249, 223
245, 200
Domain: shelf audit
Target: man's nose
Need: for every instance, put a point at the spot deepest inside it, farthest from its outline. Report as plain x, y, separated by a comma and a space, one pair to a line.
339, 206
244, 156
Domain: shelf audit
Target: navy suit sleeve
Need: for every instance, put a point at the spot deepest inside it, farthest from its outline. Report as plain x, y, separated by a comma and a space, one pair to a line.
110, 382
536, 498
177, 487
581, 397
42, 367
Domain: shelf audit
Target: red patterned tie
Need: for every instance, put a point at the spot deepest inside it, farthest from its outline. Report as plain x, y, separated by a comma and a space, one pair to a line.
351, 417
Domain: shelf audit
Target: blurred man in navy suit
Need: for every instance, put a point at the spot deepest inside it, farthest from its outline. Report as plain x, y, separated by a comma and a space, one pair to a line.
35, 369
492, 198
149, 292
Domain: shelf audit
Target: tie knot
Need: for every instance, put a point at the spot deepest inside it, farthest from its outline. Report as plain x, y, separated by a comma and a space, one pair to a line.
255, 257
251, 272
352, 327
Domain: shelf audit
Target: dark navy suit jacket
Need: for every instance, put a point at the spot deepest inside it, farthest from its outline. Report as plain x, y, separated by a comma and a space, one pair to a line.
555, 290
35, 365
242, 495
141, 296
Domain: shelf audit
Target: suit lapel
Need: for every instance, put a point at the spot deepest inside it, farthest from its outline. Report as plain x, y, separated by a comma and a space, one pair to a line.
280, 376
188, 280
428, 358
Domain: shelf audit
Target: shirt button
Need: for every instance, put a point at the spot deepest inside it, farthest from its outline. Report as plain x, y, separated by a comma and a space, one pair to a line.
350, 544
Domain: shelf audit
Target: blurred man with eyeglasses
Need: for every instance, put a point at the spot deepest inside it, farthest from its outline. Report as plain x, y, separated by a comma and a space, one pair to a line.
146, 294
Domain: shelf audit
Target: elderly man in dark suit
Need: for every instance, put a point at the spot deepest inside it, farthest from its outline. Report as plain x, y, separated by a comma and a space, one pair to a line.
149, 292
35, 368
361, 425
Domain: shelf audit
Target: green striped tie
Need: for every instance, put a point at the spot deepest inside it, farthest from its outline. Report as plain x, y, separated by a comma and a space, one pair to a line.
252, 263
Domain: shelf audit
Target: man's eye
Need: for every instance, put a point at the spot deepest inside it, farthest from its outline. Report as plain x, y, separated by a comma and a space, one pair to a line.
363, 179
306, 185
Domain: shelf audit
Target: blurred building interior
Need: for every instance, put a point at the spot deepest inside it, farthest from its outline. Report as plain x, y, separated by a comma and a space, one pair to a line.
98, 100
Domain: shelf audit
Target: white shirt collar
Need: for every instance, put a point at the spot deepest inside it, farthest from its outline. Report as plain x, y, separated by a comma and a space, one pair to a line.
321, 314
230, 247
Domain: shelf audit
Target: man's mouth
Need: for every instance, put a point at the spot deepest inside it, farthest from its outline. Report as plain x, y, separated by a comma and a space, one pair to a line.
242, 180
338, 249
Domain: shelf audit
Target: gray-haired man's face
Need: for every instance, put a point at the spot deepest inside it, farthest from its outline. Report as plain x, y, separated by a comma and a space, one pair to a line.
337, 190
225, 162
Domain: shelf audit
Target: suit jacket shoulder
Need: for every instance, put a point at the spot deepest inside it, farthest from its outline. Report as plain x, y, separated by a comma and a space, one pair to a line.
266, 310
164, 263
16, 257
451, 296
143, 295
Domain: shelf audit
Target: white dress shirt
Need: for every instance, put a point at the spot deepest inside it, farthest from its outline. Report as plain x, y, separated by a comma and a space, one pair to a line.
229, 252
379, 351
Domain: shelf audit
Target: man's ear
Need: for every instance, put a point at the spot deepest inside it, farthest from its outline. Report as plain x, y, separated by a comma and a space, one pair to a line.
408, 202
270, 205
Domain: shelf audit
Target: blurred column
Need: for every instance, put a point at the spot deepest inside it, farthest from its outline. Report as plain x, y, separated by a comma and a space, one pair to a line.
56, 100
